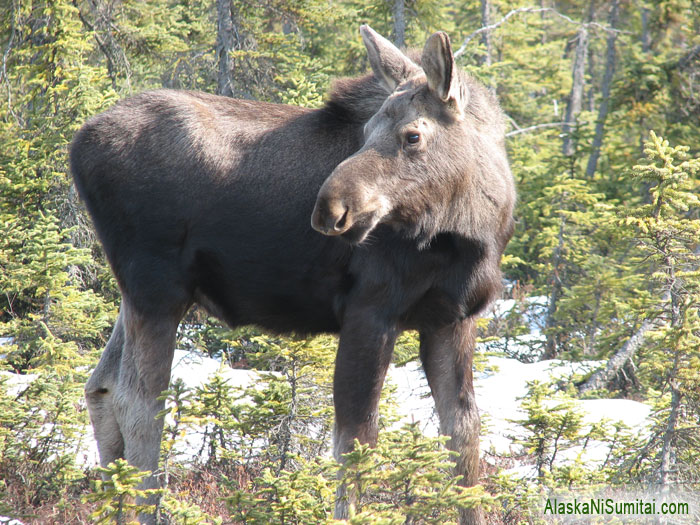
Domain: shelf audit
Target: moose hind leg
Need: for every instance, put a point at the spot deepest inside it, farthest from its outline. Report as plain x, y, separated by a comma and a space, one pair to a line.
99, 394
446, 354
144, 373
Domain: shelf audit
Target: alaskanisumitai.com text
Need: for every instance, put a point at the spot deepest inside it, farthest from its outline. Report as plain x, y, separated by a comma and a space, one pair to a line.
608, 506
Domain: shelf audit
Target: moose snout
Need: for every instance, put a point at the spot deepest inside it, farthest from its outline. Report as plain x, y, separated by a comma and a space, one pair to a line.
350, 202
330, 216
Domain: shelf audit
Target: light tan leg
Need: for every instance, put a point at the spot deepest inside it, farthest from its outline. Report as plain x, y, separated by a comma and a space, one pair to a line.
99, 394
123, 390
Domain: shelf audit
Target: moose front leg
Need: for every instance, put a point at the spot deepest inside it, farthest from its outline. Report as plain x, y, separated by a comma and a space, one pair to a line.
446, 354
364, 353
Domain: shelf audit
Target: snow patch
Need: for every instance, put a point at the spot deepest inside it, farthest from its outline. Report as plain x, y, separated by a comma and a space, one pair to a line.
4, 520
14, 384
499, 392
196, 370
415, 403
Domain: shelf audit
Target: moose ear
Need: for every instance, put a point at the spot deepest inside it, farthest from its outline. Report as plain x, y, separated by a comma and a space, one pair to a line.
439, 66
389, 64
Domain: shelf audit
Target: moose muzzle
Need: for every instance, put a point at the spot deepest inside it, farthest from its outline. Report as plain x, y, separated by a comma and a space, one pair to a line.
349, 203
330, 216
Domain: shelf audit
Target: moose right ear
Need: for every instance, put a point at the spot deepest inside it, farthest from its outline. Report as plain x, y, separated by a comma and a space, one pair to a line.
439, 65
389, 64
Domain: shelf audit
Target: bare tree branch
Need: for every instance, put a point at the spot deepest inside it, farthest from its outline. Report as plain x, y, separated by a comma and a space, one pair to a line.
689, 57
536, 126
519, 10
512, 121
103, 30
602, 377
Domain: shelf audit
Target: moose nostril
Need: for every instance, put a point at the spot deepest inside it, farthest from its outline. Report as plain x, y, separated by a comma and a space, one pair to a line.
340, 223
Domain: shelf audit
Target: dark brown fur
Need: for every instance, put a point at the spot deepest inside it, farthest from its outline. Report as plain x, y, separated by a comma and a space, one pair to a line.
203, 199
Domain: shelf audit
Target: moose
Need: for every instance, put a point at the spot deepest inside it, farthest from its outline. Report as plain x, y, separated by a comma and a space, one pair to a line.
387, 209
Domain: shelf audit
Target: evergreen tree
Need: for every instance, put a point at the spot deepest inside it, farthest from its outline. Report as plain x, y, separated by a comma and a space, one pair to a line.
50, 317
666, 230
117, 495
407, 478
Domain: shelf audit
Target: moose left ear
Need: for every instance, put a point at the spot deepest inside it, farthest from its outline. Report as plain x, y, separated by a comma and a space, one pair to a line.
438, 62
390, 65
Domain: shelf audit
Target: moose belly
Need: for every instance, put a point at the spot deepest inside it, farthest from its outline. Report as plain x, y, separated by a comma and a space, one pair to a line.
270, 296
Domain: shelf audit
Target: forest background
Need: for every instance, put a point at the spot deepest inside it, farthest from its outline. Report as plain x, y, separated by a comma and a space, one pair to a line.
603, 104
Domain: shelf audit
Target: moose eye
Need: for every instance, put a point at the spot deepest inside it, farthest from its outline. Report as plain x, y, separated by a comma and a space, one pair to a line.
412, 137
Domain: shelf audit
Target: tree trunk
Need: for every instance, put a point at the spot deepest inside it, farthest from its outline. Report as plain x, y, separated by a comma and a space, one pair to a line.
605, 92
543, 38
590, 93
666, 467
602, 378
225, 43
486, 35
687, 59
552, 343
573, 106
646, 39
102, 28
399, 14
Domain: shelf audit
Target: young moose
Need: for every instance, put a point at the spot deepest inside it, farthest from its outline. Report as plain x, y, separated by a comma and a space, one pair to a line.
203, 199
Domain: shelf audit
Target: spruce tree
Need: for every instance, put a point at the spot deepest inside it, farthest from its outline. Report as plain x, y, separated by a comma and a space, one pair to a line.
666, 230
51, 318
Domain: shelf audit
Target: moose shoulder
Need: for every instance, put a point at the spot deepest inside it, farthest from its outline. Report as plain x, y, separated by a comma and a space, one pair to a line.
209, 200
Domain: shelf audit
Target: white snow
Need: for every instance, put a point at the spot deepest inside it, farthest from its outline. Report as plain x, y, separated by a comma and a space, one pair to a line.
5, 341
498, 396
16, 383
195, 370
415, 404
4, 520
498, 392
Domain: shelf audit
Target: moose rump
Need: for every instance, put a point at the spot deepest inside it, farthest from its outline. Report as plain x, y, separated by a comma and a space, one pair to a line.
208, 200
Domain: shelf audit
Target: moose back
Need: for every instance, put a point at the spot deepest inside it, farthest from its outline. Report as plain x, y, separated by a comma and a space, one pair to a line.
386, 209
